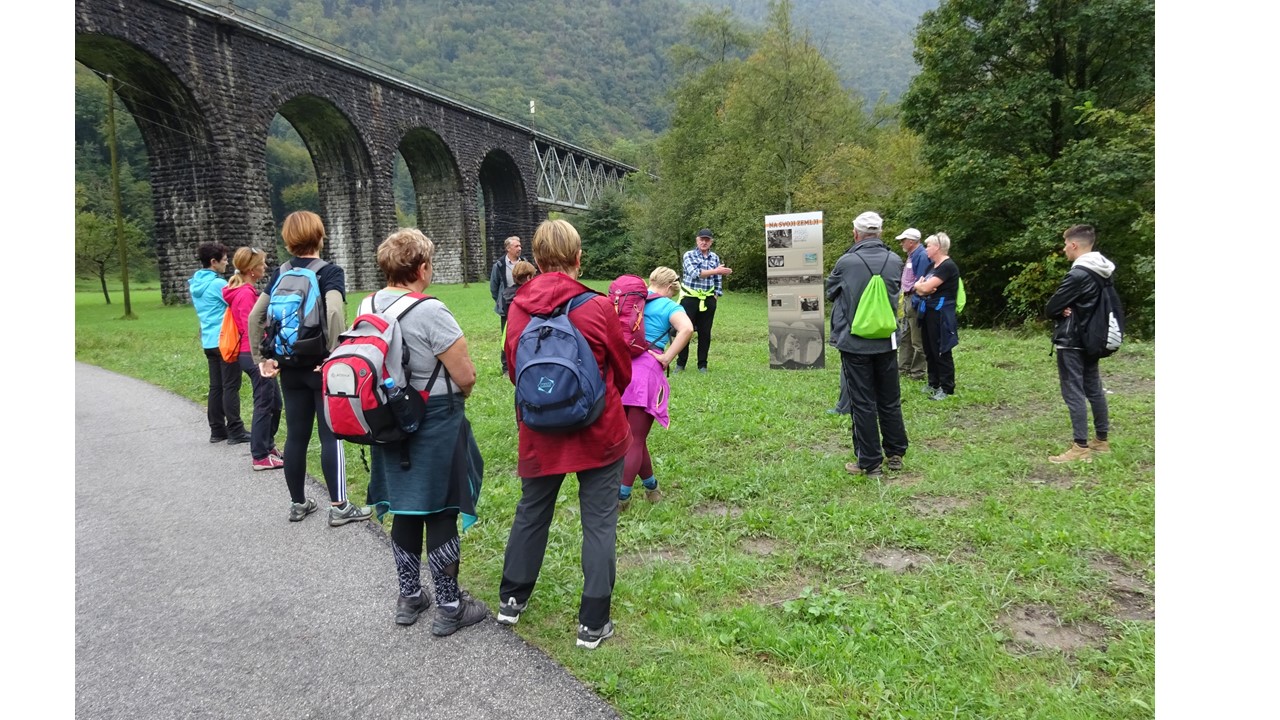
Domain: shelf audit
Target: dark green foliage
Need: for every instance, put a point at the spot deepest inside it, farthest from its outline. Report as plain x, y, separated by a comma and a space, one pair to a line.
605, 242
1036, 117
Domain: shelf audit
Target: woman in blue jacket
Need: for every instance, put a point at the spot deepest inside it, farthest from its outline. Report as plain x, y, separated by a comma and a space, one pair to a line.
224, 377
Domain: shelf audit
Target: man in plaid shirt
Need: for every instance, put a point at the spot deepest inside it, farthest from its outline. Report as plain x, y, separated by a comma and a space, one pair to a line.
703, 282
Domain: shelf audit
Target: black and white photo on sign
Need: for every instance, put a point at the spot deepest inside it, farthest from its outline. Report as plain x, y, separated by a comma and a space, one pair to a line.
775, 302
808, 303
780, 238
796, 344
777, 261
792, 280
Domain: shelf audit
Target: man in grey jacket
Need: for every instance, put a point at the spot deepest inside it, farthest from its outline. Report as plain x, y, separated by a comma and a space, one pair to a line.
869, 366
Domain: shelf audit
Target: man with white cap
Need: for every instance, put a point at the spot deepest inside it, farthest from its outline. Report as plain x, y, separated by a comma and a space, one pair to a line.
911, 360
869, 365
701, 283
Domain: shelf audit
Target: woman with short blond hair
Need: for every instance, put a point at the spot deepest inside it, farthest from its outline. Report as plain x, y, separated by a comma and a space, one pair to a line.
442, 478
938, 288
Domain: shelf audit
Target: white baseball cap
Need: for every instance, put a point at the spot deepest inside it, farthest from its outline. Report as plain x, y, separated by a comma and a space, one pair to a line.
909, 234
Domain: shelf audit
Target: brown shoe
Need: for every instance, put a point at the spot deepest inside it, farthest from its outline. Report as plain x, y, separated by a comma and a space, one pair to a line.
653, 496
894, 463
853, 469
1100, 446
1073, 454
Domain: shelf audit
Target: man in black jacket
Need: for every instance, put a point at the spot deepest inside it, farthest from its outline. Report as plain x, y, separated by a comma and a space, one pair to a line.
869, 365
1070, 309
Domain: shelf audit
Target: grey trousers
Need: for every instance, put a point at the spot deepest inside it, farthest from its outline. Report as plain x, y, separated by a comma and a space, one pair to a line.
911, 359
1080, 380
527, 543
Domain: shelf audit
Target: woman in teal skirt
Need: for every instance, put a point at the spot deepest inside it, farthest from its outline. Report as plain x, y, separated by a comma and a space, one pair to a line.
442, 479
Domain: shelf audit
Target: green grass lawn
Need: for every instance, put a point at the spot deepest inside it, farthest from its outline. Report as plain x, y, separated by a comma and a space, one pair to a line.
982, 581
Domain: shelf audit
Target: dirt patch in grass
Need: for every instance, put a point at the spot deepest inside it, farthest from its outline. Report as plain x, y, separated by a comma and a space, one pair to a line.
761, 546
933, 505
1005, 365
718, 509
903, 479
896, 560
1131, 596
940, 444
1037, 627
640, 558
784, 589
1129, 384
1055, 476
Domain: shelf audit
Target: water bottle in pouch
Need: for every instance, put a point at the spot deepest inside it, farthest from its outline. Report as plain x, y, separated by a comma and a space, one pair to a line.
398, 399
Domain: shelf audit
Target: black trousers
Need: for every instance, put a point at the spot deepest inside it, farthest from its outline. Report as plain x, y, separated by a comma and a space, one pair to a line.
224, 396
941, 366
876, 406
303, 411
701, 320
267, 408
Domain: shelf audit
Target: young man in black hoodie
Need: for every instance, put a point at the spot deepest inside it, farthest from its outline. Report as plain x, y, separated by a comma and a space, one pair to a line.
1070, 309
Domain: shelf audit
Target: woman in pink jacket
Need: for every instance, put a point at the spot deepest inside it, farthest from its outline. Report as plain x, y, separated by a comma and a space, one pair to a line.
240, 294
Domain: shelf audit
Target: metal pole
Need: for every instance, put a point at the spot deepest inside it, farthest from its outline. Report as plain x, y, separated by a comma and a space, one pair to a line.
115, 191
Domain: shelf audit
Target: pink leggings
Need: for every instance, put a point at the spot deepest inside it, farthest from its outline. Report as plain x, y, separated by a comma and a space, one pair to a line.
637, 463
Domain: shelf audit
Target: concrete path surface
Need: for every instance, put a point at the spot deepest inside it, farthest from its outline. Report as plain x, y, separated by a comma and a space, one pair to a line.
196, 598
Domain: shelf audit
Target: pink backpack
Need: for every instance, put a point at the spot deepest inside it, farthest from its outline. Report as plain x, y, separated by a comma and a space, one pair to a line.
628, 294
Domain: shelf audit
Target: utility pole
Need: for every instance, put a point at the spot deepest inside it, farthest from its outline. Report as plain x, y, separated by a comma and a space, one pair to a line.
115, 191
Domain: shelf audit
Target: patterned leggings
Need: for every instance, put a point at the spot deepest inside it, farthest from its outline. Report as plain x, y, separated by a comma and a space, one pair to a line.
443, 553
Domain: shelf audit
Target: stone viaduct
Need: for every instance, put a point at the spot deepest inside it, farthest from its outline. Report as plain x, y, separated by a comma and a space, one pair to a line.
204, 82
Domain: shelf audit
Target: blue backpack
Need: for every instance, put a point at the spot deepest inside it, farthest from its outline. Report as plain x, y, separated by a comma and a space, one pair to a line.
295, 331
559, 388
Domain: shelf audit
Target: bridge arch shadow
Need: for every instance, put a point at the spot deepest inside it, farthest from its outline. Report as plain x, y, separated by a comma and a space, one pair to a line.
344, 179
504, 208
437, 187
180, 151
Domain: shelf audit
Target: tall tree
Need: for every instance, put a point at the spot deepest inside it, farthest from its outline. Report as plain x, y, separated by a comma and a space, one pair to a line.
745, 133
1036, 116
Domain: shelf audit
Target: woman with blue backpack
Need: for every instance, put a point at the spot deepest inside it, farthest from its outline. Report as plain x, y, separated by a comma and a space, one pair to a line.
646, 398
298, 321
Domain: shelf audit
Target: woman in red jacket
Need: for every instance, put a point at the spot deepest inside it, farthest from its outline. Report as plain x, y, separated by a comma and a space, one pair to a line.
595, 453
240, 294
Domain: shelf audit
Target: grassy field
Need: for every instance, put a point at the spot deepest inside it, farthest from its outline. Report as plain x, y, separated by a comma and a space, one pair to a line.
982, 581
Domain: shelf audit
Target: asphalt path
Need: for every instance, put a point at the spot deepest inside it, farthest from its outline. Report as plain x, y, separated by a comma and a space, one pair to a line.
195, 597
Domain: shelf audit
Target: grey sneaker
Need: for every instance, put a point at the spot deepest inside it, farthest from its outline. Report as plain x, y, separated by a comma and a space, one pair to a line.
509, 612
450, 620
591, 639
929, 389
346, 512
939, 395
409, 608
297, 511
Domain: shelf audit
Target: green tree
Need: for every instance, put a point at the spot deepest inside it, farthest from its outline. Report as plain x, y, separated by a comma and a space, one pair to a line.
745, 134
605, 240
1036, 116
97, 253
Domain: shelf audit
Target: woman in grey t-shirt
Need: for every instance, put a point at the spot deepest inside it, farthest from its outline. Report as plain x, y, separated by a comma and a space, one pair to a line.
442, 480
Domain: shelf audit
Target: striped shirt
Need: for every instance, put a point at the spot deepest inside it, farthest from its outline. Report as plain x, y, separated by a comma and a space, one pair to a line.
694, 263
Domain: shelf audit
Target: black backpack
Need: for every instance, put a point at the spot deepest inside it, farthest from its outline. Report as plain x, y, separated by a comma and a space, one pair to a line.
1103, 332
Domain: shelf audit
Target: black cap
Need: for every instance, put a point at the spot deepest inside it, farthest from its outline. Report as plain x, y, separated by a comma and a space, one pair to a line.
705, 232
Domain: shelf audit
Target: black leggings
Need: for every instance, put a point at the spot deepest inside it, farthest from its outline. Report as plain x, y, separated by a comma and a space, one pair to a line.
303, 408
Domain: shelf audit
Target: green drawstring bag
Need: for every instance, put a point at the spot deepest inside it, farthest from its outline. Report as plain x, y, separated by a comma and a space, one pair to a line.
874, 318
960, 296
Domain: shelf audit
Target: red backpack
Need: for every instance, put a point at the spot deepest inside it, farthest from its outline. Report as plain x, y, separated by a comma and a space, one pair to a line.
628, 294
358, 404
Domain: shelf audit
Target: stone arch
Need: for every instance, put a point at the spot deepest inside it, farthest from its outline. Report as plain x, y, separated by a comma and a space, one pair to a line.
180, 152
437, 185
504, 205
345, 179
